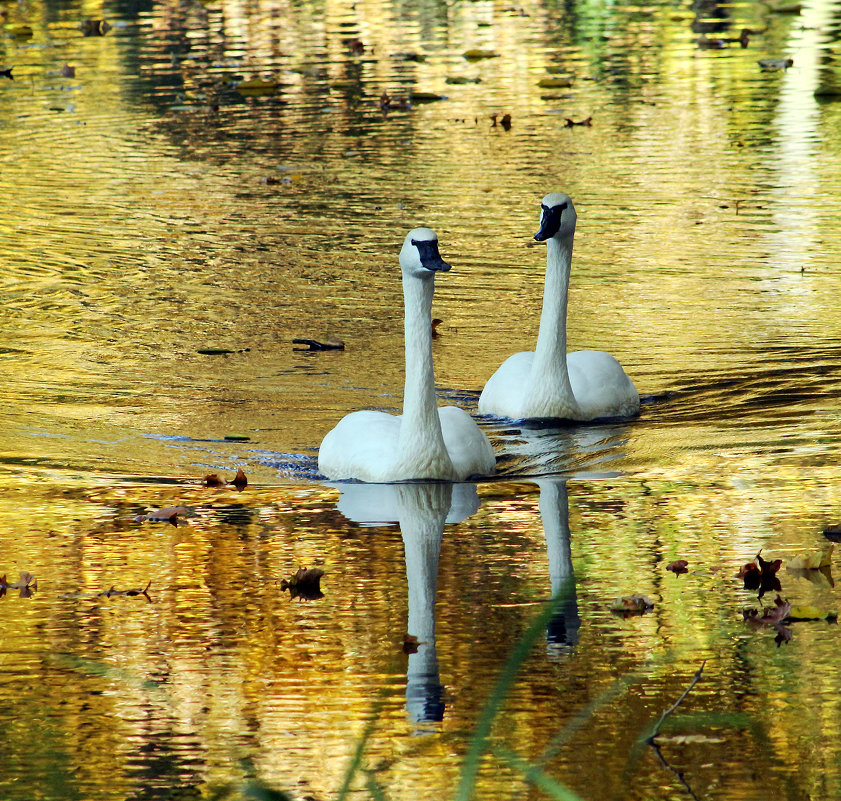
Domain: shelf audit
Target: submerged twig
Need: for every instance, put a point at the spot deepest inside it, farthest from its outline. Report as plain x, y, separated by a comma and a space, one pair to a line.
652, 738
695, 679
131, 593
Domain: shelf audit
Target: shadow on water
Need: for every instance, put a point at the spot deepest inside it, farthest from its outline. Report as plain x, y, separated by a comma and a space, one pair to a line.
422, 510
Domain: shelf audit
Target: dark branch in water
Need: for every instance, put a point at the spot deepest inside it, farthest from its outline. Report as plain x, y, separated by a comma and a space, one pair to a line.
652, 738
696, 678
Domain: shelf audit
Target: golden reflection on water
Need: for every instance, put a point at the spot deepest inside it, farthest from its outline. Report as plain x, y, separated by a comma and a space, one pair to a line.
153, 211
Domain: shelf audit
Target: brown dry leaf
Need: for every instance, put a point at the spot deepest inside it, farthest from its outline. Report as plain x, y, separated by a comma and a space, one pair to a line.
306, 584
833, 533
168, 514
631, 605
410, 644
772, 617
356, 47
761, 575
212, 480
568, 123
678, 566
239, 480
68, 71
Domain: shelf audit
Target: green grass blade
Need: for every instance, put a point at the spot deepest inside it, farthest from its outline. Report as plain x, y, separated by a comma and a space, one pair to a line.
479, 741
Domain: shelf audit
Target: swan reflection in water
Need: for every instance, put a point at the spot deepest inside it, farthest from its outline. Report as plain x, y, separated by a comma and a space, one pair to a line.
422, 510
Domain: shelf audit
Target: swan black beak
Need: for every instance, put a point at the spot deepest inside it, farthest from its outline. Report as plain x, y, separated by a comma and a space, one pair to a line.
429, 255
550, 222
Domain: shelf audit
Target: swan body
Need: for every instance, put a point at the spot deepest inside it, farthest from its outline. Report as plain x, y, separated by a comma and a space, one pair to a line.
548, 382
425, 442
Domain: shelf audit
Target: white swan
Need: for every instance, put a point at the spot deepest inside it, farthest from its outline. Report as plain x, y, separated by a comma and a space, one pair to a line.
549, 382
425, 442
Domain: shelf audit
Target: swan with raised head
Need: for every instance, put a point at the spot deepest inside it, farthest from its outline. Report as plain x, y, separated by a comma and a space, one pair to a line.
548, 382
425, 442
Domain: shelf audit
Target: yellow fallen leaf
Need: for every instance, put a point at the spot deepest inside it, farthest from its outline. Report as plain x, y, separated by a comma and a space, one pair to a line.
255, 86
18, 30
808, 612
814, 560
553, 82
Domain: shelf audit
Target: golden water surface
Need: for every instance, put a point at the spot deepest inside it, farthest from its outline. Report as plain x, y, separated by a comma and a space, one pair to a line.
185, 194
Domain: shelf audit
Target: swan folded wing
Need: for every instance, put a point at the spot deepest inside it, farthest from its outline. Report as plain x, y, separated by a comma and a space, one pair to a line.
601, 386
470, 450
362, 446
503, 394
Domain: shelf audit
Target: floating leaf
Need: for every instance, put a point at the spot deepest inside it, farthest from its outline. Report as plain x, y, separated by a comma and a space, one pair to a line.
570, 123
22, 31
476, 53
306, 584
426, 97
239, 480
7, 73
772, 617
807, 612
354, 46
761, 575
236, 438
461, 79
554, 82
774, 64
813, 560
168, 514
410, 644
213, 480
631, 605
256, 87
505, 121
94, 27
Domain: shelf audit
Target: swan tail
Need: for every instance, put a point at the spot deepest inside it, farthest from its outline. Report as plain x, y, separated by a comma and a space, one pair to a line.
470, 450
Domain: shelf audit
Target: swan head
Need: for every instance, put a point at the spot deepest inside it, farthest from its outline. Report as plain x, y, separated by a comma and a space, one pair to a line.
420, 256
557, 217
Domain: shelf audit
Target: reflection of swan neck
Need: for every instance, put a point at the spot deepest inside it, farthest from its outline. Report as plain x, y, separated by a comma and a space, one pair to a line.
424, 509
421, 438
549, 368
554, 513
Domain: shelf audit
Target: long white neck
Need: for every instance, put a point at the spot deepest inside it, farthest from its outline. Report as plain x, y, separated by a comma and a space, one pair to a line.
421, 443
550, 390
